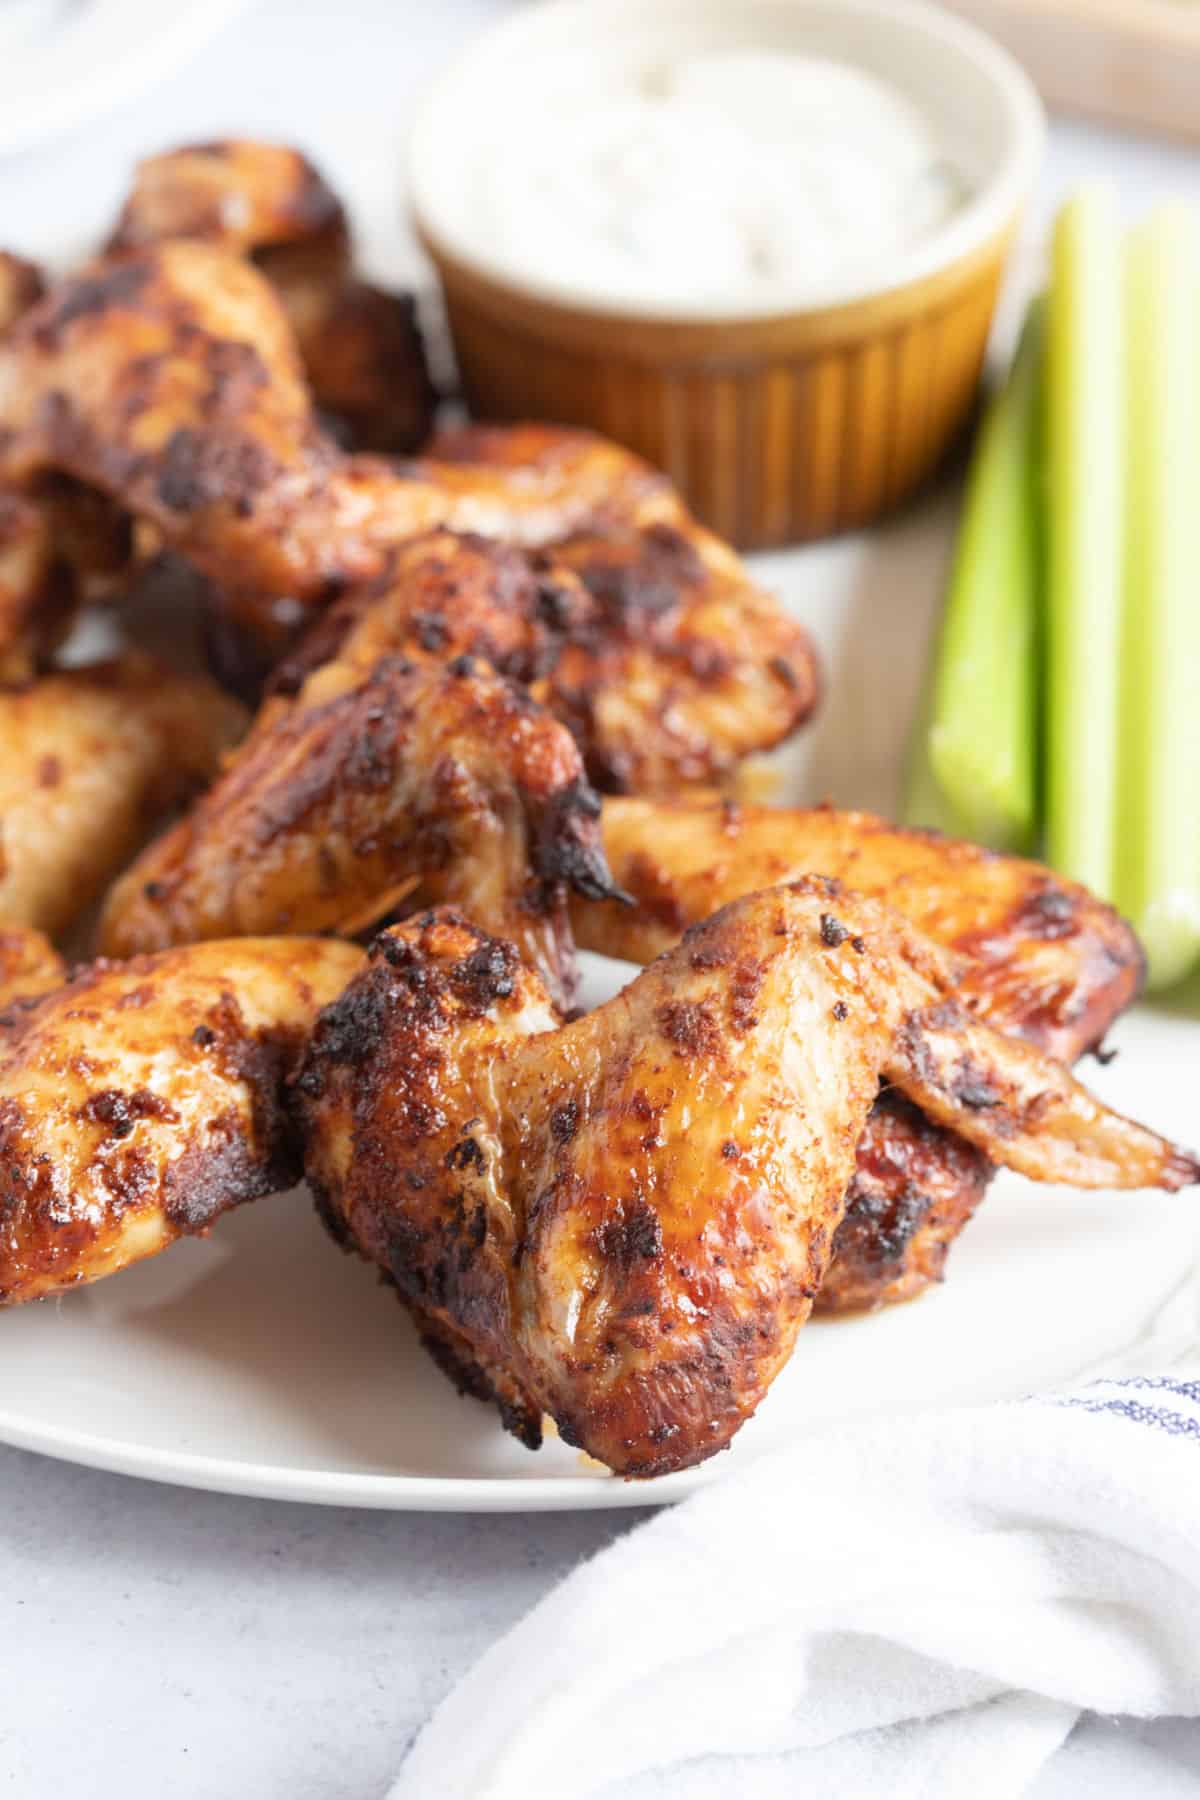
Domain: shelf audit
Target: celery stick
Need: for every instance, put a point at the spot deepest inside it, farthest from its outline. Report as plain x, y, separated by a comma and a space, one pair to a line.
982, 733
1084, 489
1157, 852
924, 804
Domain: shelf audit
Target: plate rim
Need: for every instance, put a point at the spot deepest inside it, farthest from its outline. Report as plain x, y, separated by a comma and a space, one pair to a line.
339, 1487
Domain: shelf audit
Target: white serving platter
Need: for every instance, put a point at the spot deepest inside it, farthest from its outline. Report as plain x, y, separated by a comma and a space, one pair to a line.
262, 1361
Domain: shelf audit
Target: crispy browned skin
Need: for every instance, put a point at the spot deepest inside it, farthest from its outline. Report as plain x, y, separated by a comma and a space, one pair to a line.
60, 545
29, 965
90, 760
37, 589
375, 791
138, 1102
21, 285
361, 347
1049, 962
623, 1221
665, 663
169, 380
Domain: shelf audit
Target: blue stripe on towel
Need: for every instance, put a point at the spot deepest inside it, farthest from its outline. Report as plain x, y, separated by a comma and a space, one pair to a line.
1178, 1421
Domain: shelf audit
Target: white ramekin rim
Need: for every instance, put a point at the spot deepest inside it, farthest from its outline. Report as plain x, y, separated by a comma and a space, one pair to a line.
992, 208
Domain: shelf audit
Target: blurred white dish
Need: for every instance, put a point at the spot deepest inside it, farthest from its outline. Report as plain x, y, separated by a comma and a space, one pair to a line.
64, 62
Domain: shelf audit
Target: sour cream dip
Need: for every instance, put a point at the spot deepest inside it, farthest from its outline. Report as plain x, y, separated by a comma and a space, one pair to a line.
731, 179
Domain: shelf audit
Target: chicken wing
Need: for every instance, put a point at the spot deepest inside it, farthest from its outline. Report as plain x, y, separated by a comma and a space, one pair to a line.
623, 1221
37, 592
90, 760
21, 285
1047, 961
29, 965
169, 380
361, 347
139, 1102
650, 645
372, 791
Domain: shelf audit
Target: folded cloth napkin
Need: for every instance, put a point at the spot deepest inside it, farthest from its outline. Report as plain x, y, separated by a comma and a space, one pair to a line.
923, 1606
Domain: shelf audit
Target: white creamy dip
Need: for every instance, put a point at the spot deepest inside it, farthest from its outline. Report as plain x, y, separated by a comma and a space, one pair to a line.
734, 178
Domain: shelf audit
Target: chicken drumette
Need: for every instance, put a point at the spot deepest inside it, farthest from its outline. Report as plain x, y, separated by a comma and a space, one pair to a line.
623, 1221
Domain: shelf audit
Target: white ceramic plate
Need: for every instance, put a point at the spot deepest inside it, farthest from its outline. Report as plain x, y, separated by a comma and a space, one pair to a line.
262, 1361
63, 62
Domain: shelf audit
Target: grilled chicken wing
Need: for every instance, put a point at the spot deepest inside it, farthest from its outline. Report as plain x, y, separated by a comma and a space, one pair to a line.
139, 1102
90, 760
377, 789
361, 347
622, 1222
60, 545
29, 965
1047, 961
666, 665
169, 380
21, 285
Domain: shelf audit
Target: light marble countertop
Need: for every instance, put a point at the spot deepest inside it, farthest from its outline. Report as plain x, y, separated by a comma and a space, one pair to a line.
157, 1641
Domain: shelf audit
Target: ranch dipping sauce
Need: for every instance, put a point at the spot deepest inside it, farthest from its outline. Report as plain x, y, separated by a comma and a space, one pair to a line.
731, 180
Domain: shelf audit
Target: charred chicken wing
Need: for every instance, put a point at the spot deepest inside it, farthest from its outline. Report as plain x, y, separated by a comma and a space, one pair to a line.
361, 347
1047, 961
623, 1221
667, 666
169, 379
372, 791
90, 761
140, 1101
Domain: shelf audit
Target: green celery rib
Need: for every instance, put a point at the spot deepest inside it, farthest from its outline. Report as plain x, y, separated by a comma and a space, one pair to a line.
1085, 425
1157, 849
982, 727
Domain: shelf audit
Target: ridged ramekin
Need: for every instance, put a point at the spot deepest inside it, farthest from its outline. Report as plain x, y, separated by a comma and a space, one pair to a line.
782, 425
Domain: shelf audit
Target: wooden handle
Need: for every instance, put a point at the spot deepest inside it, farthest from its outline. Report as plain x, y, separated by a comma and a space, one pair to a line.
1134, 62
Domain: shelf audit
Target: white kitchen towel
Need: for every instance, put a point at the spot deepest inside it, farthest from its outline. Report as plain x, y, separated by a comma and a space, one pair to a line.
921, 1607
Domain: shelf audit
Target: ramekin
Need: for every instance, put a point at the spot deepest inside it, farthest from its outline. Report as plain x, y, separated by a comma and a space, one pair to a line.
778, 425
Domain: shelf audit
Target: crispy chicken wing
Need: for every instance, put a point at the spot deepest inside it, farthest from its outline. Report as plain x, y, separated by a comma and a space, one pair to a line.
168, 379
90, 760
37, 591
622, 1222
138, 1102
665, 663
374, 790
361, 347
1048, 961
61, 544
29, 965
21, 285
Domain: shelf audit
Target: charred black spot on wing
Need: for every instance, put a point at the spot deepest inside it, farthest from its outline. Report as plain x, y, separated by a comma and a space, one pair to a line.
569, 850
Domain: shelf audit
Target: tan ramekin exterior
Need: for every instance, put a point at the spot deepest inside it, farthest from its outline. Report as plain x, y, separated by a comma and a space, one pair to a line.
776, 430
